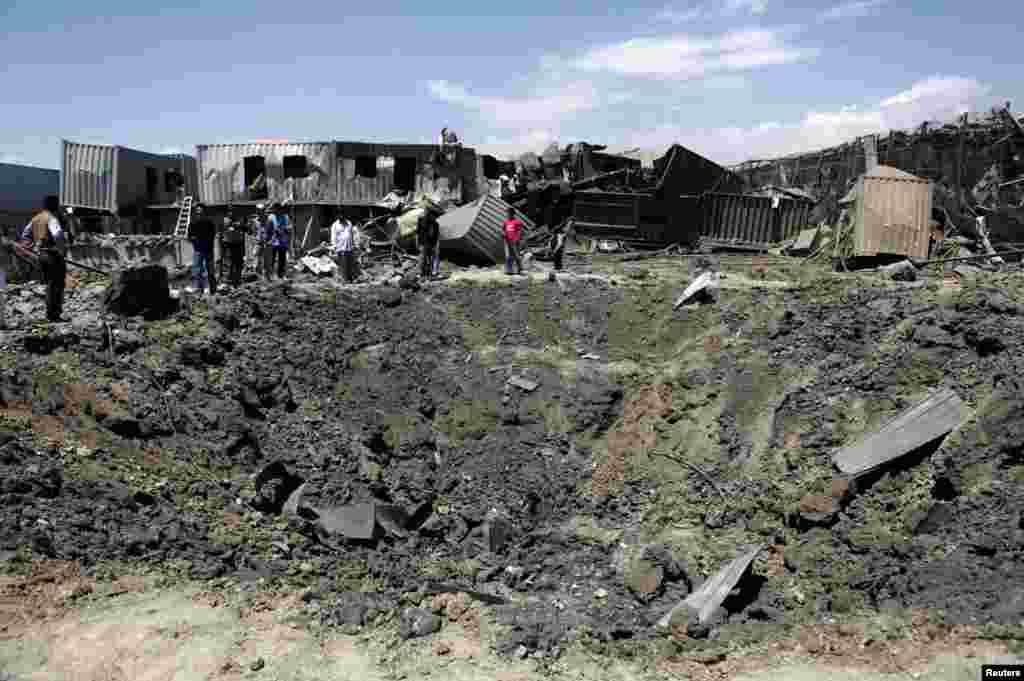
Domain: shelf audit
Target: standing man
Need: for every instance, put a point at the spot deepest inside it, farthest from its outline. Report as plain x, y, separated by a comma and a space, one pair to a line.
343, 243
46, 234
202, 233
234, 248
512, 231
557, 246
427, 235
280, 237
264, 262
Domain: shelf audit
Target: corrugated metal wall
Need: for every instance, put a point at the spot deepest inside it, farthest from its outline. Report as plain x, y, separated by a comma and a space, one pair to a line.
752, 220
23, 188
893, 217
454, 180
222, 172
87, 176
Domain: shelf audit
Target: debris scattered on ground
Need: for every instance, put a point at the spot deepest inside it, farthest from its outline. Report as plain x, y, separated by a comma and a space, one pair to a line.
702, 289
705, 601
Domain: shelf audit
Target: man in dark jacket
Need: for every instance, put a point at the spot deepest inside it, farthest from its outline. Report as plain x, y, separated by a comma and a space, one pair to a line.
428, 232
202, 233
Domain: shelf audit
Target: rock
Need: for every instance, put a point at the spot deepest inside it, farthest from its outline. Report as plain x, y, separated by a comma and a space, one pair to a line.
390, 297
274, 485
900, 271
661, 555
937, 516
417, 622
142, 290
601, 593
985, 344
123, 425
257, 665
200, 353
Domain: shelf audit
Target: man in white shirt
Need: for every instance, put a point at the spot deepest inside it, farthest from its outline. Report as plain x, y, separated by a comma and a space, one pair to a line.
344, 236
45, 234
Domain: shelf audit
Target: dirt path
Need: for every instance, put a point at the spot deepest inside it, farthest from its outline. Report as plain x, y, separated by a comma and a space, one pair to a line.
130, 631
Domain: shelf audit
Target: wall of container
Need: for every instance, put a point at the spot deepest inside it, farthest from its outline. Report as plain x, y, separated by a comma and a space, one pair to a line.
300, 172
892, 214
87, 176
23, 188
475, 229
368, 172
755, 221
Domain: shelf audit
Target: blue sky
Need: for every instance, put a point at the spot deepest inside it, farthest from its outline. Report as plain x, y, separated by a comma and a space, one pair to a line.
732, 79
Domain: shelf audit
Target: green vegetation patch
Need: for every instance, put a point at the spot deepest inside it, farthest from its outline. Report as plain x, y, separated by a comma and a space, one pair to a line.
468, 420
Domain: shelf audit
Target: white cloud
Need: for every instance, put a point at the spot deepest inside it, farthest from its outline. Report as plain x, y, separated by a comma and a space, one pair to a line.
851, 10
687, 57
542, 108
712, 10
506, 148
934, 98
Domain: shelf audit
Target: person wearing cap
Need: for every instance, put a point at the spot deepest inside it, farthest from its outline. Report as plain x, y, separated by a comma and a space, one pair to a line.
202, 233
280, 233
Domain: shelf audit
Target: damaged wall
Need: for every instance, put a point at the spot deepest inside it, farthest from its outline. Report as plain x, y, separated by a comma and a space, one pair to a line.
368, 172
301, 172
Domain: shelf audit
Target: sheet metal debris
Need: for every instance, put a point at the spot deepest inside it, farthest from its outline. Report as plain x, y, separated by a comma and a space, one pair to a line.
926, 421
705, 283
710, 596
523, 383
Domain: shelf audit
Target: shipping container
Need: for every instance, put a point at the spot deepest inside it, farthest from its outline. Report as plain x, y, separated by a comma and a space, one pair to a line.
23, 188
891, 214
752, 221
475, 230
238, 173
370, 171
123, 181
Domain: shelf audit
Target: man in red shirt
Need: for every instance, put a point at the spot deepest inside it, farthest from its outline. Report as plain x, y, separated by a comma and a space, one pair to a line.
513, 232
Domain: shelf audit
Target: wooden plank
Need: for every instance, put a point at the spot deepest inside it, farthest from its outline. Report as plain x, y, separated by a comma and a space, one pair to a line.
710, 596
931, 418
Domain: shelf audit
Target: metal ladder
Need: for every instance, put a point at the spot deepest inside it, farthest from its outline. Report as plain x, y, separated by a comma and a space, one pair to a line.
184, 218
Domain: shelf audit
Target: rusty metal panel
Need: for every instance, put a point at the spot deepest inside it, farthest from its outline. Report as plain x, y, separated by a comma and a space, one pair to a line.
87, 177
893, 214
222, 172
746, 220
476, 228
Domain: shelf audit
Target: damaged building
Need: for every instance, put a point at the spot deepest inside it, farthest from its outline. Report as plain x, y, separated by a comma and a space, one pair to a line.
317, 178
124, 191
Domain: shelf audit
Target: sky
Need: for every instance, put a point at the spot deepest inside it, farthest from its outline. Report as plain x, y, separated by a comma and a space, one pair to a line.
733, 80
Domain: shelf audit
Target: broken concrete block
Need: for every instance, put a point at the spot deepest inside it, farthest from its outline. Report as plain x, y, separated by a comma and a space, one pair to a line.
274, 485
804, 243
926, 421
358, 521
706, 600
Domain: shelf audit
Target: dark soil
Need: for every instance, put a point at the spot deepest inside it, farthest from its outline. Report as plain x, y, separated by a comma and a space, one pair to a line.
151, 449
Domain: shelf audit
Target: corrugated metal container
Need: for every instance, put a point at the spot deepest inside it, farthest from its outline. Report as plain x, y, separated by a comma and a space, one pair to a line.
222, 172
892, 213
23, 188
87, 176
449, 175
742, 220
475, 229
112, 178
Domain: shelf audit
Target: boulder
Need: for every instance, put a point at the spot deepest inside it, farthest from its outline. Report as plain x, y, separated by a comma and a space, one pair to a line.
142, 290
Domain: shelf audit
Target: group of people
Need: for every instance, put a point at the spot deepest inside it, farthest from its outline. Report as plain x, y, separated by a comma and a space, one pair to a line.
272, 229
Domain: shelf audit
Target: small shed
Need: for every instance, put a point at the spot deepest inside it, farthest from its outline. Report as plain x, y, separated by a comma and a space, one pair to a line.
890, 211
